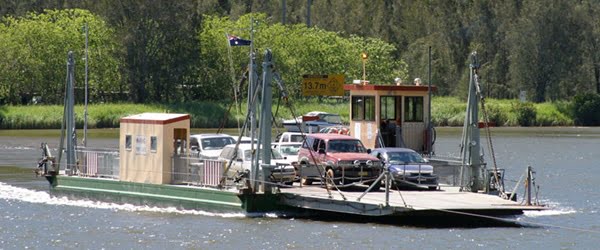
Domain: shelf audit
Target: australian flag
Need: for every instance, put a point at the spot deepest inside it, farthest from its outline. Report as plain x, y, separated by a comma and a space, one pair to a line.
236, 41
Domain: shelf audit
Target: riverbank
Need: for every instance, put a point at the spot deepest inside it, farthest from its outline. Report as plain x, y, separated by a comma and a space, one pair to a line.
589, 132
446, 111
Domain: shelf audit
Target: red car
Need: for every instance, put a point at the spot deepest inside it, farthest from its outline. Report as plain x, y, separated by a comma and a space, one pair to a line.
342, 159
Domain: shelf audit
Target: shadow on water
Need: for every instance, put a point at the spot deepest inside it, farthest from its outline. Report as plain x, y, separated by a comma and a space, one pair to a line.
441, 220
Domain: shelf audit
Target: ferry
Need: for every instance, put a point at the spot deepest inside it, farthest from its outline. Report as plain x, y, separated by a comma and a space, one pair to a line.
152, 165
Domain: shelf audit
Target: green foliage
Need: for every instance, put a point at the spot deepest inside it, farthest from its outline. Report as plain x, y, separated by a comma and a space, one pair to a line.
586, 109
495, 115
159, 52
297, 51
446, 111
34, 49
525, 113
549, 114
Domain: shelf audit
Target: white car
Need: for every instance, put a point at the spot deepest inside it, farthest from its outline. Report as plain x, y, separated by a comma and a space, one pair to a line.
283, 172
289, 150
209, 146
319, 120
289, 137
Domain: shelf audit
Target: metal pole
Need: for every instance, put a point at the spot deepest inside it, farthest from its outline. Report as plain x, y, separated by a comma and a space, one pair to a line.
528, 183
387, 186
364, 71
70, 113
283, 4
429, 126
308, 4
265, 117
85, 107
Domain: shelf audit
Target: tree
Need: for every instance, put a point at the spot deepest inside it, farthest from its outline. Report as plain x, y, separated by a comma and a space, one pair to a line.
36, 46
297, 49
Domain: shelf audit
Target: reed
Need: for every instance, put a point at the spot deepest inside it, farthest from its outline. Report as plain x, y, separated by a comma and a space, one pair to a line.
446, 111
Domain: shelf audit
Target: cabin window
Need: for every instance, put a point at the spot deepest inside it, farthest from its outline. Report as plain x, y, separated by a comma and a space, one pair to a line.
413, 108
128, 142
363, 108
153, 144
388, 107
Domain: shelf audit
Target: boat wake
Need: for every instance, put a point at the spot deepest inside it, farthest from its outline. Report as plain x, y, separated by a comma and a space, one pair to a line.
9, 192
9, 147
557, 209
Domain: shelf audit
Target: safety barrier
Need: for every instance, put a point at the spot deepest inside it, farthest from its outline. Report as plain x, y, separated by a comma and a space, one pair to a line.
98, 162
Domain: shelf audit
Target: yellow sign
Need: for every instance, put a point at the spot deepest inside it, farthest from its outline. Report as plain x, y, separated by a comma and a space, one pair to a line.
324, 85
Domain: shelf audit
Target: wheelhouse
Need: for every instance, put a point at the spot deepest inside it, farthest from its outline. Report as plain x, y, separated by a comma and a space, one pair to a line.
390, 115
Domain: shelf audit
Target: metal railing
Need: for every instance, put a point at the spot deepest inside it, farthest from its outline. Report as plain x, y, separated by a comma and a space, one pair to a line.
195, 171
447, 170
97, 162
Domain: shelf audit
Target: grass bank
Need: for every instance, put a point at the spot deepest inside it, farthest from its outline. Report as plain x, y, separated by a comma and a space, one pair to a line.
446, 111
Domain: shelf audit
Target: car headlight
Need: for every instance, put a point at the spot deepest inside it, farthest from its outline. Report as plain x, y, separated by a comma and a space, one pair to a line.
356, 163
369, 163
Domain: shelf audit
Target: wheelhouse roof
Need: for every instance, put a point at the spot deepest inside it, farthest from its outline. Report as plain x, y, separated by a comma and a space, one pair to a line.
155, 118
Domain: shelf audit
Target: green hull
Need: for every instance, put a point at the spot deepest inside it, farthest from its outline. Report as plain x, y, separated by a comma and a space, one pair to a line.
185, 197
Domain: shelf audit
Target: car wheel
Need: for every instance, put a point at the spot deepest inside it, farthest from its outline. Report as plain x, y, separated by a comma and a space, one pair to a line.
433, 188
306, 181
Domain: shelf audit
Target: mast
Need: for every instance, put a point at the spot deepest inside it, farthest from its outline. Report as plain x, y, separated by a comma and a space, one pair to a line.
252, 84
472, 164
264, 136
429, 125
68, 127
85, 107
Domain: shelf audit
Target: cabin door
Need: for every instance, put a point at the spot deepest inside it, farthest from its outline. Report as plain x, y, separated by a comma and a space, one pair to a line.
179, 160
391, 121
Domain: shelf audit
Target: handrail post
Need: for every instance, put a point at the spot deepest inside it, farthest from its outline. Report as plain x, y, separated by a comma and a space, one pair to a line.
528, 184
387, 186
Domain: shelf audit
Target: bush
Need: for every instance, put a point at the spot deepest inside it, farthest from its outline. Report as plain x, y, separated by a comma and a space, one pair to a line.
526, 114
586, 109
495, 115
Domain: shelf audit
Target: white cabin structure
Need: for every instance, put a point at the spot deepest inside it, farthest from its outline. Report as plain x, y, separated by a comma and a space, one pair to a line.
147, 144
390, 115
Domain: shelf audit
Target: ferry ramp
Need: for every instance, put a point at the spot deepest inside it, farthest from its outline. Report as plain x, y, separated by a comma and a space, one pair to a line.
442, 202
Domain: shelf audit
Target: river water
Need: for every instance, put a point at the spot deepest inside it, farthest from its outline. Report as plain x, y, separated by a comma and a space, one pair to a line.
566, 161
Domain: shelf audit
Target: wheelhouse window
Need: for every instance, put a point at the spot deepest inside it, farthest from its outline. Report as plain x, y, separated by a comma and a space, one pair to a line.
388, 107
413, 108
153, 144
128, 142
363, 108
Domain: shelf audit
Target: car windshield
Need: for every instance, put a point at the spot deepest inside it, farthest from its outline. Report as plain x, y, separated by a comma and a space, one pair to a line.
346, 146
216, 143
274, 155
405, 157
289, 149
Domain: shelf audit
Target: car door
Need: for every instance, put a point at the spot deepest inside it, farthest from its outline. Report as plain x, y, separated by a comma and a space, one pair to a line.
322, 148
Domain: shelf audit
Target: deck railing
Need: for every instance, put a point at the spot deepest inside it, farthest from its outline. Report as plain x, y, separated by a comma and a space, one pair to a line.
447, 170
98, 162
194, 171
